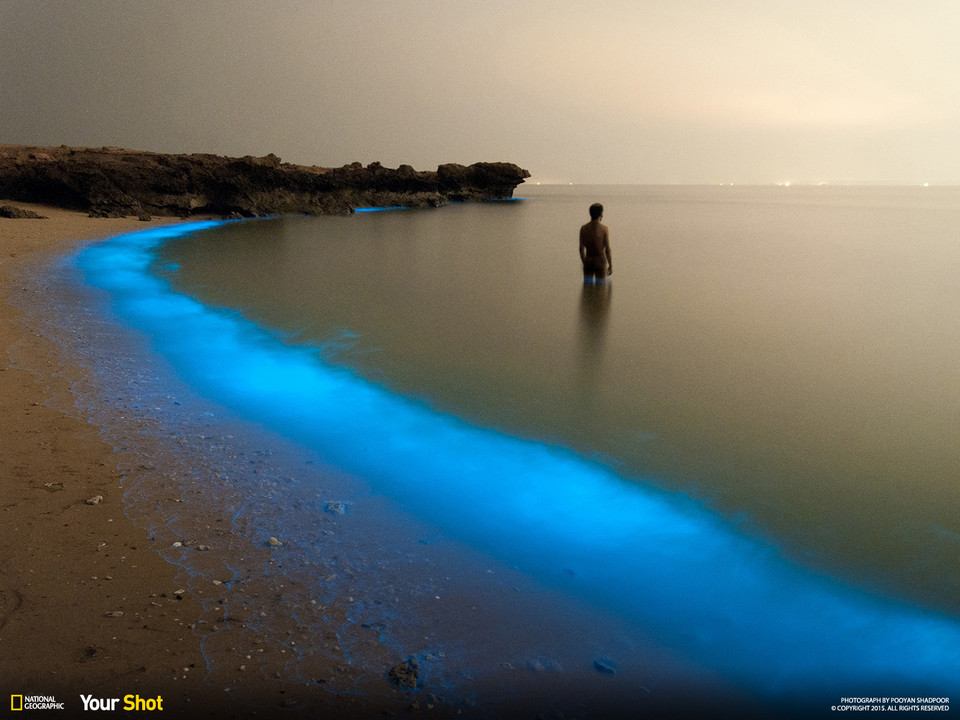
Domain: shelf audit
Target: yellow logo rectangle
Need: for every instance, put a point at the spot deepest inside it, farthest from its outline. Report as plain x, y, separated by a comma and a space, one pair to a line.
16, 702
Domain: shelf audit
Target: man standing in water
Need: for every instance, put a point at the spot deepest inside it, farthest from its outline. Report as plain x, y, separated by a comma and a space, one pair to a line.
595, 247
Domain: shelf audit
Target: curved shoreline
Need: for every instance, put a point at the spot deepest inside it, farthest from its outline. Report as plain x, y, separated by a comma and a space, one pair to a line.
754, 567
665, 565
655, 559
171, 658
88, 603
370, 580
176, 636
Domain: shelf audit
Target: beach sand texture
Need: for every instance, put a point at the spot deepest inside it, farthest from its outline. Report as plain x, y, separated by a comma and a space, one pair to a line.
87, 604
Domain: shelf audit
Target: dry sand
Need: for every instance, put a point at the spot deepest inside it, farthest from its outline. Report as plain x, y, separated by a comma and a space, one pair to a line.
87, 605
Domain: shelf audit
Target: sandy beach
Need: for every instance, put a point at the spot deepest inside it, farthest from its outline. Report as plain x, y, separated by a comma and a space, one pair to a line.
71, 566
87, 604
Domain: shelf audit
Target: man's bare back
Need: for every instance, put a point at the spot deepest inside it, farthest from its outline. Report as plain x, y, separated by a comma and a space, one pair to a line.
595, 247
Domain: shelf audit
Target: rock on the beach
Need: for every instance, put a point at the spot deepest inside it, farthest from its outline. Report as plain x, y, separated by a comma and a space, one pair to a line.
404, 674
336, 508
95, 500
273, 542
15, 213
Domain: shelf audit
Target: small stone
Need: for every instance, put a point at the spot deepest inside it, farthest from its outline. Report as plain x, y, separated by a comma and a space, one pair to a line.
404, 674
178, 544
95, 500
114, 613
336, 508
203, 547
273, 542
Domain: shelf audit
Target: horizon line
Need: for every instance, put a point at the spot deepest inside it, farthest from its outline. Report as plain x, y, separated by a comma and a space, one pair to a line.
783, 184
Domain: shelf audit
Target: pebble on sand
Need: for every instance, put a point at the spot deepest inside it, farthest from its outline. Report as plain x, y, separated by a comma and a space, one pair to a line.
404, 674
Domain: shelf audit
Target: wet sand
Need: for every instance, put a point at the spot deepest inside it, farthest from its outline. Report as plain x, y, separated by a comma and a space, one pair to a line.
87, 603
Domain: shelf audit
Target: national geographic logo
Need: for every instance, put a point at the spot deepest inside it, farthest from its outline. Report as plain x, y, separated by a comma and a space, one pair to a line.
34, 702
130, 703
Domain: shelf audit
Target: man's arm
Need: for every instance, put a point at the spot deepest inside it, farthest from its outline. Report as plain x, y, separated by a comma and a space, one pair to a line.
606, 251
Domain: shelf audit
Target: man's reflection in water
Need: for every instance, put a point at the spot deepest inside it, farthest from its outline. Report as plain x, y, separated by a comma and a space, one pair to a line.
594, 312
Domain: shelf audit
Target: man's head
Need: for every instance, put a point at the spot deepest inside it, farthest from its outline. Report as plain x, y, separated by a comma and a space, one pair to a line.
596, 211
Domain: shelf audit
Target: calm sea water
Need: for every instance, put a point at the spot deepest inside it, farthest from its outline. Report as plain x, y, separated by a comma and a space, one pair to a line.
732, 468
785, 355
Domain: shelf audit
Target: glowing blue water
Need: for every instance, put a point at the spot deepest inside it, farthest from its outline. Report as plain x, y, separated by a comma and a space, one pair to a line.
727, 601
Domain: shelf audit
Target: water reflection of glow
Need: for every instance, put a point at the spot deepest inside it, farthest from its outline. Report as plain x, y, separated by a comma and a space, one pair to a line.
725, 600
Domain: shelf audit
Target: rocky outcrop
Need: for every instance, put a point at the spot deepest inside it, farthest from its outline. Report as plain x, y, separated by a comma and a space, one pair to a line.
15, 213
116, 182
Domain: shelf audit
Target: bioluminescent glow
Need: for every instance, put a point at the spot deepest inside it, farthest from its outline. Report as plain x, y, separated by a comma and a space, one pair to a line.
728, 601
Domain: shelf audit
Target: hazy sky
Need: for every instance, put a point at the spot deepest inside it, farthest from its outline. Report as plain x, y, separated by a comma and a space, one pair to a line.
615, 91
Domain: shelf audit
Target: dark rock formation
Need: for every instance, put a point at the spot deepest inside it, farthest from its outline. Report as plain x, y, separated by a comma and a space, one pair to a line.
111, 182
10, 211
